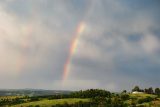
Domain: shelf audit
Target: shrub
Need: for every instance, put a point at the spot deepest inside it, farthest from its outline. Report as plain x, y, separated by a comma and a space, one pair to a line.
147, 99
124, 97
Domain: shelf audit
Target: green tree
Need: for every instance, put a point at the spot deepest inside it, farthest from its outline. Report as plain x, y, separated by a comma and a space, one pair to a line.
157, 91
124, 97
150, 90
124, 91
136, 88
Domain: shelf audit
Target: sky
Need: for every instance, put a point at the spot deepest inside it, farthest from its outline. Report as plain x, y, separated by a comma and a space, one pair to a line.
118, 47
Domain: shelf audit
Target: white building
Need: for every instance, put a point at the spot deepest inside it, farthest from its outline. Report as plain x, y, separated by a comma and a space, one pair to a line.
136, 92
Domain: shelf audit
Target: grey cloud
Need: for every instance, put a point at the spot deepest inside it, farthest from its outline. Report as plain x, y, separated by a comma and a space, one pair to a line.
118, 49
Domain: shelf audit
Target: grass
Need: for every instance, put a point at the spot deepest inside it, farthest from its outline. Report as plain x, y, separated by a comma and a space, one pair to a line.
143, 95
136, 97
10, 97
49, 103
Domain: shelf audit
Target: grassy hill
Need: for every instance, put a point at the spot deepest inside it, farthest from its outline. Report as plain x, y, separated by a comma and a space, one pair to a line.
31, 92
84, 98
140, 100
144, 100
49, 103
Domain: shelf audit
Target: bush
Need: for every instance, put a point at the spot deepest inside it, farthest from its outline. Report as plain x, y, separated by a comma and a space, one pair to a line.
91, 93
34, 99
141, 106
65, 104
125, 97
147, 99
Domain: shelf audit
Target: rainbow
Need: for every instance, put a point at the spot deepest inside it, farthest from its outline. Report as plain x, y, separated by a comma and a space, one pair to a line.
78, 33
80, 29
26, 33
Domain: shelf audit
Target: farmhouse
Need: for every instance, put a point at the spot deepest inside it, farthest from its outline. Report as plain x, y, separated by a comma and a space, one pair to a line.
137, 92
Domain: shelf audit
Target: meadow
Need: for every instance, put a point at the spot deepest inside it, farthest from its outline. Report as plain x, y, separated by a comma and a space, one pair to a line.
87, 98
133, 99
50, 103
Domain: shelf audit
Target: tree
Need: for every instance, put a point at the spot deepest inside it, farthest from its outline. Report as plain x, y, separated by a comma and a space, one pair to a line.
150, 90
124, 97
124, 91
136, 88
157, 91
91, 93
146, 90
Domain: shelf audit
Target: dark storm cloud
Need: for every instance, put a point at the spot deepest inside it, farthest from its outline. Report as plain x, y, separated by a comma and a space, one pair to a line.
119, 48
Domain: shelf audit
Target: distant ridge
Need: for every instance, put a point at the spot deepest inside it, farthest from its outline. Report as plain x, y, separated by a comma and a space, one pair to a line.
31, 92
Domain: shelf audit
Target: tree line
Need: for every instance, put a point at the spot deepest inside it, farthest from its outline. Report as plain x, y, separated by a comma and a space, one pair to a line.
149, 90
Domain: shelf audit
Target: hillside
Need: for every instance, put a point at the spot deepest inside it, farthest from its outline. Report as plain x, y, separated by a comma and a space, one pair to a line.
84, 98
30, 92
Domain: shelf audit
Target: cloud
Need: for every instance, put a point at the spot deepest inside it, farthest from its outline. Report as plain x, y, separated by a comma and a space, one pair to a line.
76, 84
118, 49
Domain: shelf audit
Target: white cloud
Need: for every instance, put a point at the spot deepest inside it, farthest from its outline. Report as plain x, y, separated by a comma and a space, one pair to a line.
150, 43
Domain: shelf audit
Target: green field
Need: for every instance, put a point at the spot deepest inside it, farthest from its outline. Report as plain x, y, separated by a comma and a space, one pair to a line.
49, 103
136, 97
10, 97
86, 98
143, 95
